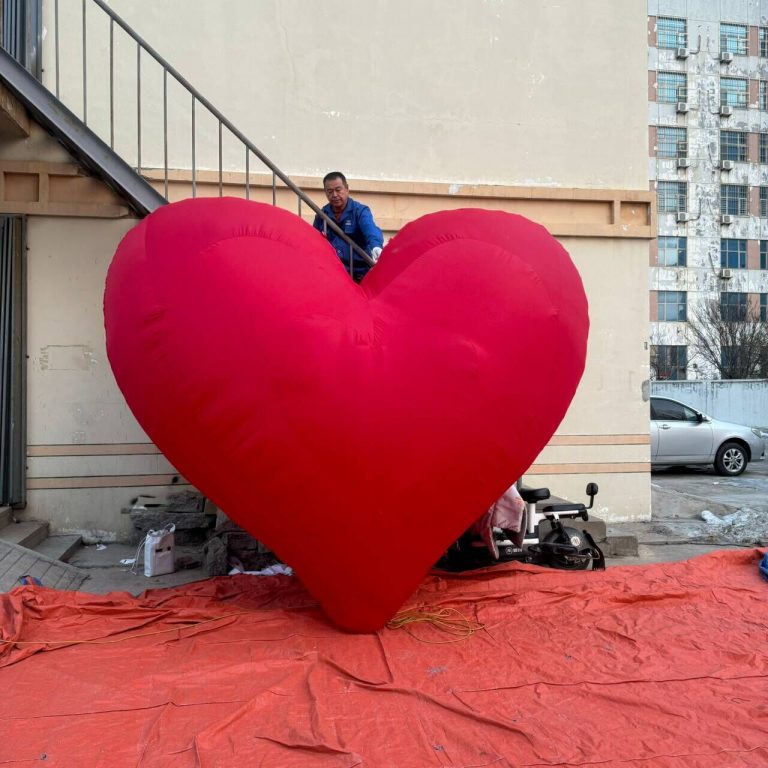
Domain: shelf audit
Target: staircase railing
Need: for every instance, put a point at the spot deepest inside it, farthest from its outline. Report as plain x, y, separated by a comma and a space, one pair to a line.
199, 107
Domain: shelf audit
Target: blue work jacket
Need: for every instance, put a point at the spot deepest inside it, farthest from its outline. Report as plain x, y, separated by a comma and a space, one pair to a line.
358, 225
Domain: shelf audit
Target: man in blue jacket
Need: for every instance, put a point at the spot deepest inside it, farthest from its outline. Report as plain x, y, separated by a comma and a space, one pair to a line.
354, 219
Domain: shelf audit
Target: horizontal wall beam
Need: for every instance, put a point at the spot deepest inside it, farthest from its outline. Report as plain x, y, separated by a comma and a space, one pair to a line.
55, 189
572, 212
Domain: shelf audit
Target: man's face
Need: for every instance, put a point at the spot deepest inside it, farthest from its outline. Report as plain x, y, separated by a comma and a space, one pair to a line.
337, 193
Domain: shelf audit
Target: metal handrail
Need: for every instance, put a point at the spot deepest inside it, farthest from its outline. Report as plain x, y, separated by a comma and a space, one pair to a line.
197, 97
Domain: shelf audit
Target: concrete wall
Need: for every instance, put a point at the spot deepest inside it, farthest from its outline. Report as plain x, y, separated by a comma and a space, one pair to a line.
80, 432
738, 401
502, 91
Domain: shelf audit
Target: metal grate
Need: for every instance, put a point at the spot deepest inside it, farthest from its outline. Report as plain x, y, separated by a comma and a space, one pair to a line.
672, 196
734, 199
671, 33
21, 31
733, 92
672, 142
671, 87
733, 146
12, 430
733, 39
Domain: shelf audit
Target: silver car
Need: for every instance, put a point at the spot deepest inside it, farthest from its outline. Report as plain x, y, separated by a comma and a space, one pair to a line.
682, 435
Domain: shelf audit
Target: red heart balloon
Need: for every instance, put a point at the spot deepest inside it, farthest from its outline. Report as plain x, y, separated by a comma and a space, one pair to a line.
355, 429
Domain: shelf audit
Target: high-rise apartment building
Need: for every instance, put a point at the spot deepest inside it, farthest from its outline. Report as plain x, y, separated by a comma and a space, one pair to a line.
708, 118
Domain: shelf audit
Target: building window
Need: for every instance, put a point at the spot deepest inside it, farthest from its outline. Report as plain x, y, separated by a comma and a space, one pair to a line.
733, 199
764, 42
733, 92
671, 87
672, 251
672, 196
669, 361
763, 147
733, 307
763, 307
764, 202
733, 38
672, 142
728, 356
733, 254
762, 102
764, 254
671, 33
672, 306
733, 146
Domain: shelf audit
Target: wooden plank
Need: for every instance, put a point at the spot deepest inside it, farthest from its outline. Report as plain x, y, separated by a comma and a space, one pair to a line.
40, 568
11, 577
8, 560
17, 561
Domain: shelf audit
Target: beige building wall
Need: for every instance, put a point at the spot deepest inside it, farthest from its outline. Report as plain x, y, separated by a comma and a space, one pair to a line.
604, 436
535, 108
500, 91
86, 454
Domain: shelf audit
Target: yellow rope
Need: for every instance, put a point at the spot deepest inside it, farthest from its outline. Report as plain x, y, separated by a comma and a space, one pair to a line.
121, 639
449, 620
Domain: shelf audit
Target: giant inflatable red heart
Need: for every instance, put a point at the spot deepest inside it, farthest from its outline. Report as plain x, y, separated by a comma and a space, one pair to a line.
355, 429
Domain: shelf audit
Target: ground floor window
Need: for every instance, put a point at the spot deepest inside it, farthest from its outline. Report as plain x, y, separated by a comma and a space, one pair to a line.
669, 361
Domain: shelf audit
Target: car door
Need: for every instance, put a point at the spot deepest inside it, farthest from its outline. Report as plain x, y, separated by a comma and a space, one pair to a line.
681, 436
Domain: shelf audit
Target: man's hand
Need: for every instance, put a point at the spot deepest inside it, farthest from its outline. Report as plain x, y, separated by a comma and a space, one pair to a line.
375, 253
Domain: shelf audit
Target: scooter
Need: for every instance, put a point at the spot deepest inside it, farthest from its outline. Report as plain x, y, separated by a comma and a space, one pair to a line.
553, 544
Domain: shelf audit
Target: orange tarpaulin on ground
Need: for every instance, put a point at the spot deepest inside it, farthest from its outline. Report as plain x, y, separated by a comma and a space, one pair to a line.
638, 666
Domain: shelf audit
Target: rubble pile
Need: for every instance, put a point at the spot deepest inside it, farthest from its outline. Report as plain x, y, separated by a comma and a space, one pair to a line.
746, 527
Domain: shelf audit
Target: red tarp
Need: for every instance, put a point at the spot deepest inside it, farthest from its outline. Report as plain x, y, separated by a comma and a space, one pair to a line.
638, 666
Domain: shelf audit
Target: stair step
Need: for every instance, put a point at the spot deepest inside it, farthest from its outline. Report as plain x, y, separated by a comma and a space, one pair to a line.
6, 516
27, 534
60, 547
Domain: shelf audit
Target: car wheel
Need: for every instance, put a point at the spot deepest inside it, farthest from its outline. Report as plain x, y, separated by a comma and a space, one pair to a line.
731, 459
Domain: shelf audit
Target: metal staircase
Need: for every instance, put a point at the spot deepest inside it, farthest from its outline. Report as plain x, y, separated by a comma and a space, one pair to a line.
117, 67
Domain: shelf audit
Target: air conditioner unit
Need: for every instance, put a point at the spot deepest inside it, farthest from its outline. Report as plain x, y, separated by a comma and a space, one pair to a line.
725, 274
683, 162
726, 165
682, 53
683, 216
682, 106
726, 219
726, 57
726, 111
